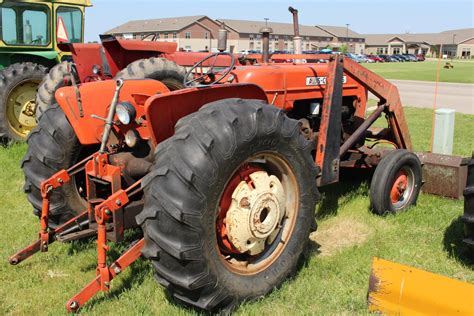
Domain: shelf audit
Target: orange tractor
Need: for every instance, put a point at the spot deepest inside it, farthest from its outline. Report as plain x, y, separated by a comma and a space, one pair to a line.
222, 175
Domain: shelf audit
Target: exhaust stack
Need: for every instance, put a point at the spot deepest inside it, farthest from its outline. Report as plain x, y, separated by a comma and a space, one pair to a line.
222, 38
266, 43
296, 27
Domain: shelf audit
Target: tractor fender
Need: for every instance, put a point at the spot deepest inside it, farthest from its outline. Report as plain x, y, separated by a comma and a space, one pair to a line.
163, 111
92, 100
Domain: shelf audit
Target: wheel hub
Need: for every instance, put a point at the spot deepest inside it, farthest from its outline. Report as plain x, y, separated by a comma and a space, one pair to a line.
21, 108
255, 213
399, 187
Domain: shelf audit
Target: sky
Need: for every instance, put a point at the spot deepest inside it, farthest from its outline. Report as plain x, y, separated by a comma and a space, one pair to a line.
363, 16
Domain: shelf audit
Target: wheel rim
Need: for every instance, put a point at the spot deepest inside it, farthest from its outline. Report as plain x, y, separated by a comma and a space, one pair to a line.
21, 107
257, 213
402, 187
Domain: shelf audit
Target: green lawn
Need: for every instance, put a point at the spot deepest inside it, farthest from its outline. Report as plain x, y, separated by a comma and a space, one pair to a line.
333, 281
463, 71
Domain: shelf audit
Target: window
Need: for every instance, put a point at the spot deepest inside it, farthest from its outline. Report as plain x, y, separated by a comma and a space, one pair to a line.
259, 36
396, 50
175, 35
285, 38
187, 48
307, 46
251, 46
206, 35
251, 37
27, 24
72, 18
276, 38
165, 35
380, 50
187, 35
466, 52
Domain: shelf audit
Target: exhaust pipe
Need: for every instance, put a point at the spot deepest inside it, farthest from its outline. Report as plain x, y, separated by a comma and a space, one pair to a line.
222, 38
266, 43
296, 27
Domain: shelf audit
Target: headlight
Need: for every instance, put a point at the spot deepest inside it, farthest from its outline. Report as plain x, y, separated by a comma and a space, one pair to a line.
132, 138
126, 112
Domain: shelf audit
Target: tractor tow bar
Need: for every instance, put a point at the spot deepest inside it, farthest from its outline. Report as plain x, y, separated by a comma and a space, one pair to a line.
46, 235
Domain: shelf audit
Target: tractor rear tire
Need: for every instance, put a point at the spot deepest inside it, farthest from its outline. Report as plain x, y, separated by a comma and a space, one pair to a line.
15, 120
164, 70
52, 146
396, 182
54, 80
184, 194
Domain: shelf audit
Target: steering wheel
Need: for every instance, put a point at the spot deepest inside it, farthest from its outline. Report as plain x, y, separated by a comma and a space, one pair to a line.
209, 77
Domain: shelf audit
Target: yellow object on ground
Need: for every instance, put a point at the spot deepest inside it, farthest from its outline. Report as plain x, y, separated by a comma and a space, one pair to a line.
402, 290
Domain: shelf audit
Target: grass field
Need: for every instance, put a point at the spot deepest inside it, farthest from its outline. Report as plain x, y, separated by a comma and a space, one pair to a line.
463, 71
333, 281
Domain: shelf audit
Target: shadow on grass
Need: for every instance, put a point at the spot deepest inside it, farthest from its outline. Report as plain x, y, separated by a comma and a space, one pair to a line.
352, 183
454, 246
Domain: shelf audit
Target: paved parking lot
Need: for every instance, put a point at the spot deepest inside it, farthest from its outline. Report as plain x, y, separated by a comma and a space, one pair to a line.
456, 96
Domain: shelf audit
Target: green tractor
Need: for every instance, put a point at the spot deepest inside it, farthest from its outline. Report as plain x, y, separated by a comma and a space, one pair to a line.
30, 32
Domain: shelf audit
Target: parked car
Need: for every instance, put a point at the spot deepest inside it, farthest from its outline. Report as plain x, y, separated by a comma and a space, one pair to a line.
411, 57
386, 58
354, 57
375, 58
398, 58
365, 59
404, 57
420, 57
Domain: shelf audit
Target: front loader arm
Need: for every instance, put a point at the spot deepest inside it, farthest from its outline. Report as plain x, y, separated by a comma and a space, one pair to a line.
388, 93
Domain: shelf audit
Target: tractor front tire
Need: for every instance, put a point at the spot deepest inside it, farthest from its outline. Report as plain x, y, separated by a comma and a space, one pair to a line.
396, 183
53, 146
229, 150
162, 69
18, 86
55, 79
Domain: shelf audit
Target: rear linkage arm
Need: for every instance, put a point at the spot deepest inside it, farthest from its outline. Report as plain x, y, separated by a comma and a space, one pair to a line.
103, 213
105, 274
47, 236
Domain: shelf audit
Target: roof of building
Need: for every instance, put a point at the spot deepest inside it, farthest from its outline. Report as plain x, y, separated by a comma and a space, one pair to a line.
253, 27
446, 37
156, 25
339, 31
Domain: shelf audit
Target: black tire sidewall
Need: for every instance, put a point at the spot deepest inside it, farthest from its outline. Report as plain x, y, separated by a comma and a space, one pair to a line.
384, 178
11, 77
237, 284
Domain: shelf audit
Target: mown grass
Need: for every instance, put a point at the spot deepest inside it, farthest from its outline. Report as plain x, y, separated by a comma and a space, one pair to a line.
333, 281
463, 71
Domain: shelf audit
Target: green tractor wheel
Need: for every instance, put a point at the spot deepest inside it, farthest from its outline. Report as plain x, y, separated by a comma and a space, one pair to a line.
18, 88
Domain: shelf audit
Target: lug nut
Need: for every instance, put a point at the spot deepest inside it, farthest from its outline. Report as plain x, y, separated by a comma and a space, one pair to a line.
117, 270
118, 202
108, 212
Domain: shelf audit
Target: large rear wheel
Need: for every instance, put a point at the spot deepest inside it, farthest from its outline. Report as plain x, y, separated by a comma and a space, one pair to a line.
230, 204
57, 77
18, 87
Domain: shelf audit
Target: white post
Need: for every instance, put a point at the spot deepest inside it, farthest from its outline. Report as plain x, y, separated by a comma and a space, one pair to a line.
443, 132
